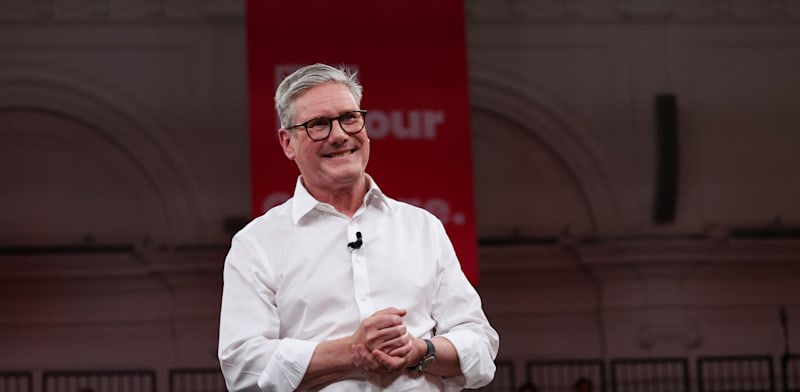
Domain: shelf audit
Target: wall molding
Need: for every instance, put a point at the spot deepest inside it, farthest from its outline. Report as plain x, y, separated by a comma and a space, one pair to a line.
632, 10
214, 11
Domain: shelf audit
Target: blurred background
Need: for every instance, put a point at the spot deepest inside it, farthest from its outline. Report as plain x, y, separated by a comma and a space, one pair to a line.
636, 172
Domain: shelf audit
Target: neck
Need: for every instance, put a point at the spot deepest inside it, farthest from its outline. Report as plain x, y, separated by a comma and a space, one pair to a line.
346, 199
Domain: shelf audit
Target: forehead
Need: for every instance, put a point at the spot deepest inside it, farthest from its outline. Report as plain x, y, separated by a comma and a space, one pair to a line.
327, 99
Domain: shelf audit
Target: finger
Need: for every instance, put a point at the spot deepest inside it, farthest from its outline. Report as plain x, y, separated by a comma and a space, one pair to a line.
377, 323
390, 311
389, 362
388, 333
377, 339
363, 358
374, 328
359, 353
393, 343
401, 351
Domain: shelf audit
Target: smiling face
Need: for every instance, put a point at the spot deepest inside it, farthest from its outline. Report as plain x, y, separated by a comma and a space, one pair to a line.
336, 164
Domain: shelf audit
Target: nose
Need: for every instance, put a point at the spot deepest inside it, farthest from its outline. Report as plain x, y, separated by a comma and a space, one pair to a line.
337, 132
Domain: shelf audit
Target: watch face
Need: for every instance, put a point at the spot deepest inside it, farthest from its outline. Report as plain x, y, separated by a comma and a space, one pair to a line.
426, 362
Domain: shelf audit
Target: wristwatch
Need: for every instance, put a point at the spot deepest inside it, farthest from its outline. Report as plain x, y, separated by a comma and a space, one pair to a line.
428, 359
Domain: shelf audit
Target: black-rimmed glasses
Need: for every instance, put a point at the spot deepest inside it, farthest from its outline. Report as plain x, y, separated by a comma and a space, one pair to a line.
320, 128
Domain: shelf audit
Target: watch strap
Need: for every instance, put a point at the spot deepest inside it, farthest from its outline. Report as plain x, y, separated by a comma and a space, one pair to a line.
431, 348
428, 358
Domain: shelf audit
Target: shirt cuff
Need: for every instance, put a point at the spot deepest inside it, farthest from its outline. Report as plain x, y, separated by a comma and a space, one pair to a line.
287, 366
476, 362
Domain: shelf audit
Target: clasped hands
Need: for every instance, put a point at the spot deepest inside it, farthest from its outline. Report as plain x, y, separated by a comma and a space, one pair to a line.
382, 344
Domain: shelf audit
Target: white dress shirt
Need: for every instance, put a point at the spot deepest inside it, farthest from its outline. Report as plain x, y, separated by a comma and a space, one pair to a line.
291, 281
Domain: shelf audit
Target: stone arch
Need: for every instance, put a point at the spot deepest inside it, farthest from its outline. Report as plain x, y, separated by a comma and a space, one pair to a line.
546, 121
111, 139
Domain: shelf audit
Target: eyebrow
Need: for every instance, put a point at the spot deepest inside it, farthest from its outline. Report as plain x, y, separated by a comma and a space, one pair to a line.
330, 117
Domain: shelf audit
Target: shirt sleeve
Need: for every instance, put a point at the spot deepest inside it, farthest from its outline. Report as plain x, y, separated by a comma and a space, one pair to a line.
460, 319
251, 354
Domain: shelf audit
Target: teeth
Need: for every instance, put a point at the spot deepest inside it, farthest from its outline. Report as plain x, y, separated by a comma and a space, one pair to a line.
340, 154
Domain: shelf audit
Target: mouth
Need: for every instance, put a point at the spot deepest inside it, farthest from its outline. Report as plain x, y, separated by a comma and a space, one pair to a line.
340, 154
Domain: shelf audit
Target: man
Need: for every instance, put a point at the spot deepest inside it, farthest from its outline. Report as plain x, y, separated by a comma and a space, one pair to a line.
342, 288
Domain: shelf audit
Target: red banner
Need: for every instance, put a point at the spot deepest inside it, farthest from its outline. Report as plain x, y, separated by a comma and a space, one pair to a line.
411, 60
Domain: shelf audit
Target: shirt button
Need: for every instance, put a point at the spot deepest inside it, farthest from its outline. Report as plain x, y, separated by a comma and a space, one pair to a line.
362, 299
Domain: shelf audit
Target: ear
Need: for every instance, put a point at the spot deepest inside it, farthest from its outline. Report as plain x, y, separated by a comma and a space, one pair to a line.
285, 138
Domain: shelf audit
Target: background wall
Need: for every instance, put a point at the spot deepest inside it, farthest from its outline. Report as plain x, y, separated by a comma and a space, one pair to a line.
124, 164
567, 156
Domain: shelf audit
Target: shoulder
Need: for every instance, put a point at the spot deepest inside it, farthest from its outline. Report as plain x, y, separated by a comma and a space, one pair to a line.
276, 219
399, 209
411, 214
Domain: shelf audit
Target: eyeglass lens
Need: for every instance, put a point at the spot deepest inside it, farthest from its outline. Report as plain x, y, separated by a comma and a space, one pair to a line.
351, 122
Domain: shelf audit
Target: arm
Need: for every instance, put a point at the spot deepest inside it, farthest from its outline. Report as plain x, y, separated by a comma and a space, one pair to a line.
384, 330
249, 346
466, 344
330, 362
460, 320
446, 364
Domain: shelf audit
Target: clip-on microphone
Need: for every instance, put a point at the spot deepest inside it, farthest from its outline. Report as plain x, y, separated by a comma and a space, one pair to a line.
357, 243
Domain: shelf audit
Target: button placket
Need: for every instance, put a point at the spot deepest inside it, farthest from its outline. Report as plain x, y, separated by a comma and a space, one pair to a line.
361, 286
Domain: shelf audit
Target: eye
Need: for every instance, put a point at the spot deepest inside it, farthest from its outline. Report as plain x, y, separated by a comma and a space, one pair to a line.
318, 124
350, 117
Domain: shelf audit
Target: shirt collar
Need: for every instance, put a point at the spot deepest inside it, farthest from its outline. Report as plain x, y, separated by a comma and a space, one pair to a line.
303, 202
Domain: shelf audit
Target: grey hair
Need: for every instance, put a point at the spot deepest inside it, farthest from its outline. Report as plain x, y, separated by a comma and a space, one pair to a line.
305, 78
